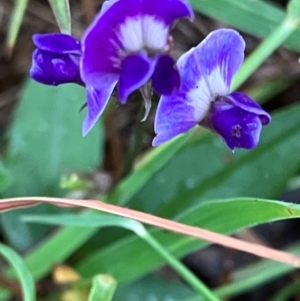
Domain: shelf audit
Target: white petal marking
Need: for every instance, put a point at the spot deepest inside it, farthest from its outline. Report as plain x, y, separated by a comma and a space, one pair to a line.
155, 33
144, 32
200, 100
205, 92
131, 34
216, 83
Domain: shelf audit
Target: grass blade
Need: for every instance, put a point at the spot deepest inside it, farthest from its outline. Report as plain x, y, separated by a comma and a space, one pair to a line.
15, 24
22, 271
61, 10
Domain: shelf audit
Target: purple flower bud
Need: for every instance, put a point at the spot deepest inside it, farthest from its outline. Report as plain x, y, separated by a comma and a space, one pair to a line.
56, 59
206, 73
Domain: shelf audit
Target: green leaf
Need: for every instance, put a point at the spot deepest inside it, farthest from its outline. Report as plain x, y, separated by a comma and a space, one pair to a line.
45, 137
151, 163
153, 287
56, 249
258, 18
206, 169
45, 141
267, 168
241, 281
98, 220
61, 10
21, 270
221, 174
293, 10
4, 178
138, 228
224, 216
15, 23
103, 288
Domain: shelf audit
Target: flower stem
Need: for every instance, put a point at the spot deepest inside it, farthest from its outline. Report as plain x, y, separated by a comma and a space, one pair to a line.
180, 268
264, 50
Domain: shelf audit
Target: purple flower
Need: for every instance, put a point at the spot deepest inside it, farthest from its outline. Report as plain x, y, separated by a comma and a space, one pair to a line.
129, 43
56, 59
206, 73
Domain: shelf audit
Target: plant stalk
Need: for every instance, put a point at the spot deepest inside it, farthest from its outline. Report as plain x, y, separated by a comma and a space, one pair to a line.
181, 269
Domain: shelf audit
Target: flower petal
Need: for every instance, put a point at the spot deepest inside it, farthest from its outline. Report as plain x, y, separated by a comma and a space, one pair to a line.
124, 27
168, 10
144, 32
101, 48
238, 128
165, 78
244, 102
57, 43
96, 103
136, 70
54, 69
176, 114
106, 5
212, 64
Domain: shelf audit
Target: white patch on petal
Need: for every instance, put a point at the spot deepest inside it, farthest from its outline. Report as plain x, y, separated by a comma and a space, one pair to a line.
155, 33
206, 91
131, 34
200, 100
144, 32
216, 83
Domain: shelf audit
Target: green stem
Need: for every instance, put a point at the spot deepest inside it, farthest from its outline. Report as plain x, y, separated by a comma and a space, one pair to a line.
180, 268
264, 50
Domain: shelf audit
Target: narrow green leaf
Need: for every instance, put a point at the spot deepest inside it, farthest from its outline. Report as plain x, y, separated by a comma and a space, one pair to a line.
61, 10
151, 163
103, 288
198, 176
4, 178
98, 220
205, 169
57, 249
15, 23
258, 18
231, 215
153, 287
241, 281
264, 51
138, 228
293, 10
21, 270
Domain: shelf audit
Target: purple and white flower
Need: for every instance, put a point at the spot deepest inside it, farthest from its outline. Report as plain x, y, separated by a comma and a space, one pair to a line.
129, 43
204, 99
56, 59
